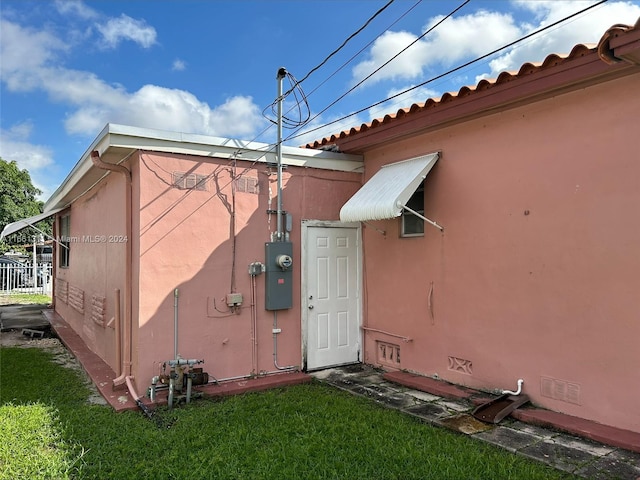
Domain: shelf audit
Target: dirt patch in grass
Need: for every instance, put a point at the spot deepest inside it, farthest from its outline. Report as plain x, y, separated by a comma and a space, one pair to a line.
61, 356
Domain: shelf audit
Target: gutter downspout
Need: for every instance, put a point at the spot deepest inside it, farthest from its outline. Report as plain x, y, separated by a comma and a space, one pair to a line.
125, 368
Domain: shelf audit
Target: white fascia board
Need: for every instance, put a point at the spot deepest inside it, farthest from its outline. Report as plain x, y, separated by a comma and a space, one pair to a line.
79, 171
209, 146
136, 138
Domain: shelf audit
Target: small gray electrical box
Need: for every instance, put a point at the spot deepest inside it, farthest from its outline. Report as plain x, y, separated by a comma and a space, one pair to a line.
278, 275
256, 268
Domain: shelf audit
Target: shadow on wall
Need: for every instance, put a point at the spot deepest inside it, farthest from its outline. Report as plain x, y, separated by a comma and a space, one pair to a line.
221, 315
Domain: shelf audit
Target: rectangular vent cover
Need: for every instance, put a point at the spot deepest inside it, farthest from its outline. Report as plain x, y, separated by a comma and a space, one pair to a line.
388, 354
189, 181
560, 390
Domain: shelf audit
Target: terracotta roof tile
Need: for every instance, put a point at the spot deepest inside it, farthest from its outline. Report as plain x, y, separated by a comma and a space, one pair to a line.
552, 60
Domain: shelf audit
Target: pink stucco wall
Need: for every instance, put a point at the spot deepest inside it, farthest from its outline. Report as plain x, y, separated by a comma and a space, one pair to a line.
84, 292
184, 239
536, 273
186, 242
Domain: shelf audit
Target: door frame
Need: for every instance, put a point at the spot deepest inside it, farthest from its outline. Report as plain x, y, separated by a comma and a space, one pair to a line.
304, 272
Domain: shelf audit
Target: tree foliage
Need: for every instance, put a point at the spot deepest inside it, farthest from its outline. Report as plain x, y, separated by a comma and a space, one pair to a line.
18, 200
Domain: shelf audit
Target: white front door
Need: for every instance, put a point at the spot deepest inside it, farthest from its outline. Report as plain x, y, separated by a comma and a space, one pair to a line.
331, 294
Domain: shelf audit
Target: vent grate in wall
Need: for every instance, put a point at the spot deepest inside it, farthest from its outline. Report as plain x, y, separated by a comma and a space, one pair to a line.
247, 185
460, 365
388, 354
189, 181
560, 390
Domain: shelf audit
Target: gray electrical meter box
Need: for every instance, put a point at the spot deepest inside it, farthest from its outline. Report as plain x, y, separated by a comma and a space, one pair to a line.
278, 275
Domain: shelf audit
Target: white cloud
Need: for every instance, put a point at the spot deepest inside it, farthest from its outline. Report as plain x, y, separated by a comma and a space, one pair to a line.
29, 65
169, 109
406, 66
75, 7
465, 37
23, 52
126, 28
178, 65
586, 28
15, 145
452, 40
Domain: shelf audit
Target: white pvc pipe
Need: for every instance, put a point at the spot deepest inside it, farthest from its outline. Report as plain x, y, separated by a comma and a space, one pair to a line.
517, 392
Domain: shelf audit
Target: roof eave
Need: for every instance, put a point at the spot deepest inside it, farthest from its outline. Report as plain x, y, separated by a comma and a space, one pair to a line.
117, 142
565, 75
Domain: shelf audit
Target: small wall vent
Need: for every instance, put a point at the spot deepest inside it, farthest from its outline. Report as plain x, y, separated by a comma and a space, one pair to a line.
189, 181
460, 365
388, 354
560, 390
248, 185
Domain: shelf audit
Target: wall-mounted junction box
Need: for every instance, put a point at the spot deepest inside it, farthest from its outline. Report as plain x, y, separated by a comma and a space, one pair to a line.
234, 299
256, 268
278, 275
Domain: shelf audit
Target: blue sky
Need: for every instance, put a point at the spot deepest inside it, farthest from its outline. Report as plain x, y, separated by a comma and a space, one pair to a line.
68, 67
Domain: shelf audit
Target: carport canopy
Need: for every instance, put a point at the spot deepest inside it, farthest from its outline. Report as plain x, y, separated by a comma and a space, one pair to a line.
27, 222
386, 194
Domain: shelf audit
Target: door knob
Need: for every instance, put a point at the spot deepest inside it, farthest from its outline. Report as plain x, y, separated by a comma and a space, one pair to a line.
310, 307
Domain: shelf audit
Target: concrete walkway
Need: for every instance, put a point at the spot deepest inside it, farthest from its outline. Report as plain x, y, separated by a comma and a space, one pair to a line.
583, 457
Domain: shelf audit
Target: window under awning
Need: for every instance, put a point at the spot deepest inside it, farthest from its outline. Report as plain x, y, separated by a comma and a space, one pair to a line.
27, 222
386, 194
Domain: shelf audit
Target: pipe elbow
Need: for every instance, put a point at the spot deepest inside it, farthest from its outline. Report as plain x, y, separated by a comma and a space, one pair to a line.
132, 389
517, 392
98, 162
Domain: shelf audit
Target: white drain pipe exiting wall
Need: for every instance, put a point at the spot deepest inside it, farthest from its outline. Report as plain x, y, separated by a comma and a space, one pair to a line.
517, 392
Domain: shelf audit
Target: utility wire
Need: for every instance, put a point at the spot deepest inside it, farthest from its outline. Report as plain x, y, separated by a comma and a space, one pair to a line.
273, 105
380, 68
433, 79
364, 47
301, 103
342, 46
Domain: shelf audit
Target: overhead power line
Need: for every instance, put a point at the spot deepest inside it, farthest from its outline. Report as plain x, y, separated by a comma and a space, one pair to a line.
301, 103
436, 25
438, 77
341, 46
418, 2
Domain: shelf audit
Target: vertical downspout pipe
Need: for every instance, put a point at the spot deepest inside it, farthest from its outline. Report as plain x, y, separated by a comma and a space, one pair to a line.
128, 330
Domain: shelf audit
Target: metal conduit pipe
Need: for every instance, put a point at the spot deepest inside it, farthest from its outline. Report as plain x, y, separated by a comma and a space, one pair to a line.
128, 323
175, 324
242, 377
254, 327
118, 334
275, 345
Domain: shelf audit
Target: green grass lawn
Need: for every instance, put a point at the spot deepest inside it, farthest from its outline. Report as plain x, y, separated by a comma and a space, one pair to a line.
25, 298
48, 430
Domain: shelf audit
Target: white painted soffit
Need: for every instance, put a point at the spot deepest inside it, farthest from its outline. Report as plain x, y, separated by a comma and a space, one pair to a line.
388, 191
26, 222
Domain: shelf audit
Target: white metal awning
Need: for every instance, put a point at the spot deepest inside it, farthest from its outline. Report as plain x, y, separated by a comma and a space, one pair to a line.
26, 222
386, 194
